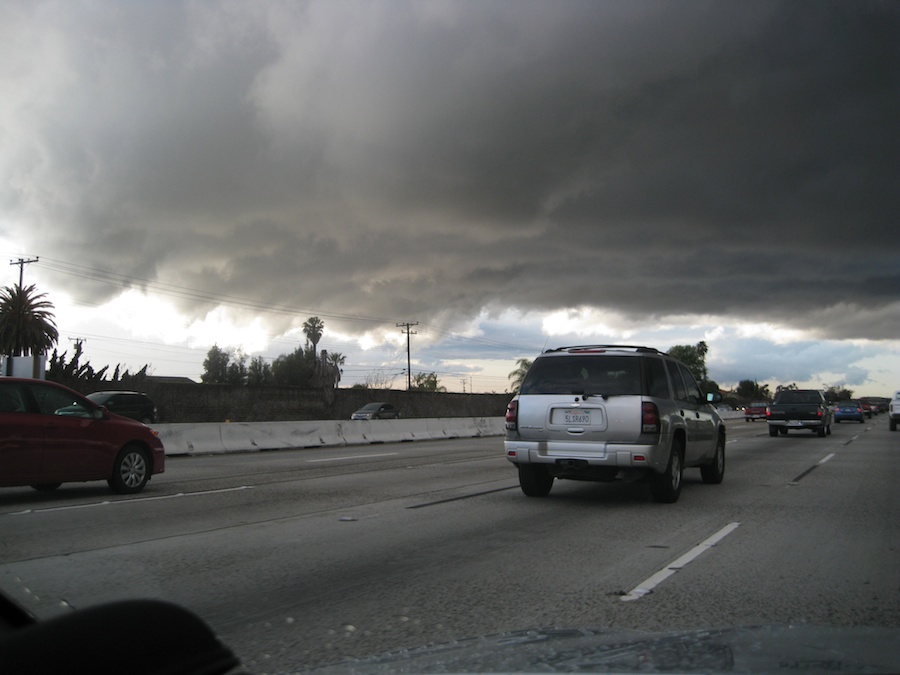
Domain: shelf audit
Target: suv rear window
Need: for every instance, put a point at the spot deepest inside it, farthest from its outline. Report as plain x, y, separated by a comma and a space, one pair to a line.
657, 384
608, 376
798, 397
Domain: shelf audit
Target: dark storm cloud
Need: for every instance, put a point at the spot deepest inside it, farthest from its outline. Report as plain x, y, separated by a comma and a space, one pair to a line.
430, 160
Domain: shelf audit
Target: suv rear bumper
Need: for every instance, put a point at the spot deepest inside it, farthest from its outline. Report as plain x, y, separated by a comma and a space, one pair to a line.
609, 455
798, 424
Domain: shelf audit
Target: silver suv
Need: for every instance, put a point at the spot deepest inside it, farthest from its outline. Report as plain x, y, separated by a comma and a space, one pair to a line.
607, 412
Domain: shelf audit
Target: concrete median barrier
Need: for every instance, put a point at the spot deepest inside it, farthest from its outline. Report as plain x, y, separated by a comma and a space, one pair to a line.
190, 439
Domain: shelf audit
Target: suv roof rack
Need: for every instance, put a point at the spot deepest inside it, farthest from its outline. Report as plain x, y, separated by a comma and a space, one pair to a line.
589, 348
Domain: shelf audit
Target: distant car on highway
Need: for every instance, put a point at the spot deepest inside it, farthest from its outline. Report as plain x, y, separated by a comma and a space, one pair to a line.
799, 409
376, 411
133, 404
894, 411
755, 411
849, 410
50, 435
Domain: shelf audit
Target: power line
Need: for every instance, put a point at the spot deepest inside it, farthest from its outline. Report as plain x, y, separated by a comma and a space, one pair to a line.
124, 282
127, 281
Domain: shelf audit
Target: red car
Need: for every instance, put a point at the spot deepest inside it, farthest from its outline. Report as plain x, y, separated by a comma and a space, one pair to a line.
51, 435
755, 411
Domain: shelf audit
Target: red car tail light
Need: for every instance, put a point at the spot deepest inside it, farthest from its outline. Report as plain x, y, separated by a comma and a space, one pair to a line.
649, 418
512, 416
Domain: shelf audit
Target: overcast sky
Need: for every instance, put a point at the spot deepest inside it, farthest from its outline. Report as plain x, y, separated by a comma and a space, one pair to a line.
510, 174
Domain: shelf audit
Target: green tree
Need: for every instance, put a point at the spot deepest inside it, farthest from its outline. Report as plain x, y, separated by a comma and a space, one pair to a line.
838, 393
237, 369
215, 366
522, 366
74, 373
313, 328
749, 390
297, 369
427, 382
694, 357
27, 326
259, 372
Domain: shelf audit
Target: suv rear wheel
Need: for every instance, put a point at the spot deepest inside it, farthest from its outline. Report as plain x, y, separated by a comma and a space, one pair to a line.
713, 472
666, 486
535, 480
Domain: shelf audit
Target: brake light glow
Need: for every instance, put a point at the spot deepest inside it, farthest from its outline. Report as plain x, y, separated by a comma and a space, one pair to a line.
512, 416
649, 418
768, 411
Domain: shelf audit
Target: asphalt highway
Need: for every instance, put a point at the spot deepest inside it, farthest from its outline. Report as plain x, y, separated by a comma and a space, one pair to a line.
305, 557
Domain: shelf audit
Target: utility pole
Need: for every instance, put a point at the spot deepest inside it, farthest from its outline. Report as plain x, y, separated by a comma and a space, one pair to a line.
408, 332
21, 262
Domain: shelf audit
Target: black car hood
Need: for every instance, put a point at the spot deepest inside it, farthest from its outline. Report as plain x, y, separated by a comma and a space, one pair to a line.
750, 649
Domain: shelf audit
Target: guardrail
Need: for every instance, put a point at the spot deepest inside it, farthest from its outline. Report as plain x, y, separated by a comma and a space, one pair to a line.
219, 437
190, 439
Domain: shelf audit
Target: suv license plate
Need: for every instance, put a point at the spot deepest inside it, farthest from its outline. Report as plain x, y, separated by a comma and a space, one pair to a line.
577, 417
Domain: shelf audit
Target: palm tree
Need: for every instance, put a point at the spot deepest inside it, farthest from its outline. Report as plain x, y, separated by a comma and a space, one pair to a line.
27, 327
522, 366
336, 359
313, 327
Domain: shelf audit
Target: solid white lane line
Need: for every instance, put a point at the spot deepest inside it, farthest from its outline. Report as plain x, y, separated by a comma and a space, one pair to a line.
652, 582
337, 459
113, 502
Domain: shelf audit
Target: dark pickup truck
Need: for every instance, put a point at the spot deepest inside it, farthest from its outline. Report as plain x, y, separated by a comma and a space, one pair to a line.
799, 409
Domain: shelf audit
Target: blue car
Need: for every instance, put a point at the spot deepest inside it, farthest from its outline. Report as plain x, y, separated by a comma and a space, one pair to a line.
849, 410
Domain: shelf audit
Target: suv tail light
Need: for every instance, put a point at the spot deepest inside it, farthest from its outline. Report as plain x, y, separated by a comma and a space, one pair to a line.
512, 416
649, 418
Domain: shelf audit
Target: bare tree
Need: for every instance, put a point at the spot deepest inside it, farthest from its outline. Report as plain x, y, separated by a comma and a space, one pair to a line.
379, 379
